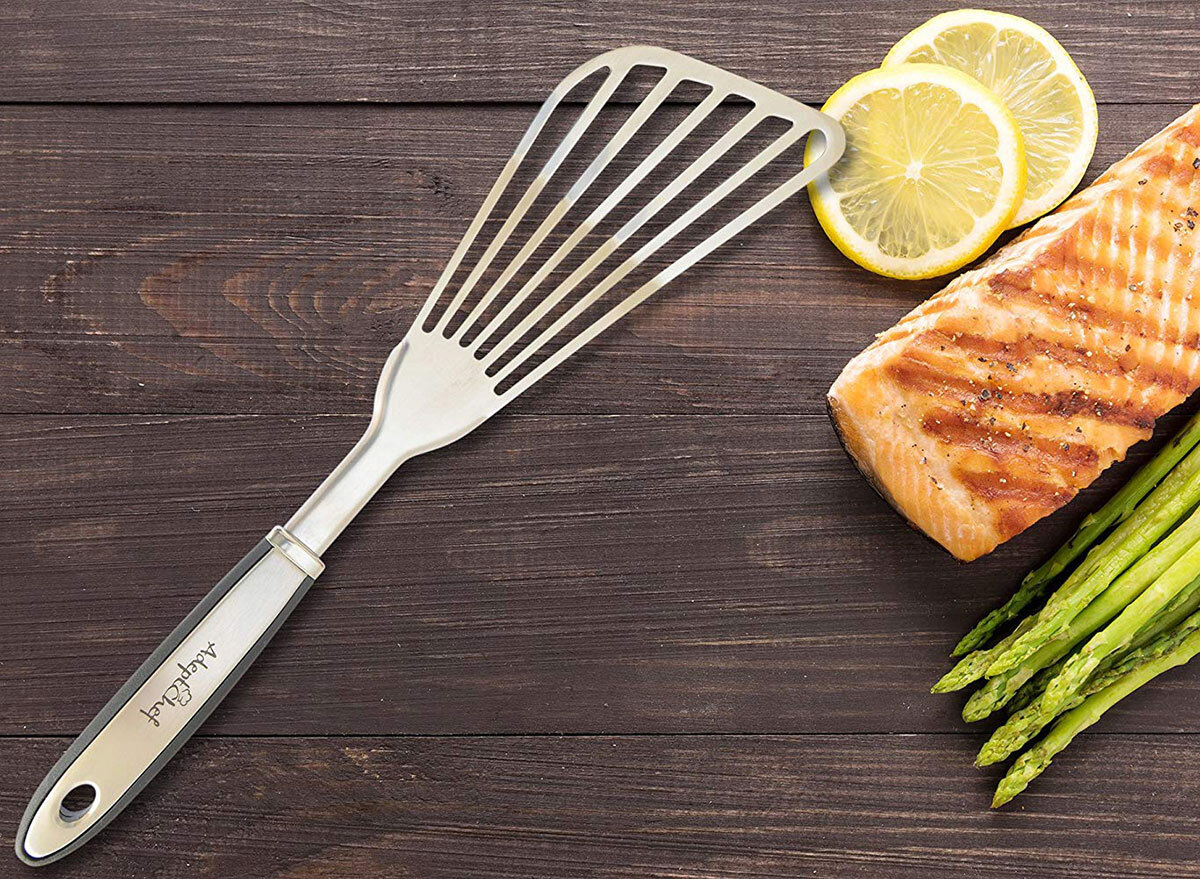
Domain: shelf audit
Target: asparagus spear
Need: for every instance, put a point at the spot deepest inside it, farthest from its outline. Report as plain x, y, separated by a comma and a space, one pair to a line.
1002, 687
1028, 722
1118, 508
1164, 506
973, 666
1181, 607
1035, 761
1184, 605
1117, 634
1033, 687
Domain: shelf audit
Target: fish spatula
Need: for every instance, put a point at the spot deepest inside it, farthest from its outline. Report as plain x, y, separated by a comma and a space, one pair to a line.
475, 346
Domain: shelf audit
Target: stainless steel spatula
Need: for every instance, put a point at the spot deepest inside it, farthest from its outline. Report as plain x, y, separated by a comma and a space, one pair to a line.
475, 346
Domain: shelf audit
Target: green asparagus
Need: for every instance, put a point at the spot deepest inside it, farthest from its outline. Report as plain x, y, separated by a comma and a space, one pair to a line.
1138, 656
1027, 723
1117, 634
1035, 761
1033, 687
1000, 690
1181, 607
1164, 506
973, 666
1118, 508
1184, 605
1002, 687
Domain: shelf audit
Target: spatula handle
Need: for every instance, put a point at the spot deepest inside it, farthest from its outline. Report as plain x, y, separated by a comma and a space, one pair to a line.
167, 699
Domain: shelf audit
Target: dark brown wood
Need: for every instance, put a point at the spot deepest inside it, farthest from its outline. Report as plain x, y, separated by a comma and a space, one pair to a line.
632, 574
202, 259
691, 807
482, 50
660, 551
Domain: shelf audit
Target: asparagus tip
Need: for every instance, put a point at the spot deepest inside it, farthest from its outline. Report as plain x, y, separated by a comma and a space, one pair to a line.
1008, 788
991, 752
976, 710
987, 756
1029, 766
946, 685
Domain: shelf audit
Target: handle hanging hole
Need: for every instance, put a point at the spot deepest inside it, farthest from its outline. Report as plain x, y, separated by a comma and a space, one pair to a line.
77, 802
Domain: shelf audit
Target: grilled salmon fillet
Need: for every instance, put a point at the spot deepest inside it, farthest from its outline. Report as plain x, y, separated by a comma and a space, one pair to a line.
994, 402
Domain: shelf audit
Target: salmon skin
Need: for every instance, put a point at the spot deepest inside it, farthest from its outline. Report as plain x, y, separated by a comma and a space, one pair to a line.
995, 401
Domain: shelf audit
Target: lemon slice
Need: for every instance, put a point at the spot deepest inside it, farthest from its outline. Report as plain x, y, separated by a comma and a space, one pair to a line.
1034, 76
933, 172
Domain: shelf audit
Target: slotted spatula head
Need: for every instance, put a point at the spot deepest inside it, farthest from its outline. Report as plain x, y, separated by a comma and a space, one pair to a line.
476, 346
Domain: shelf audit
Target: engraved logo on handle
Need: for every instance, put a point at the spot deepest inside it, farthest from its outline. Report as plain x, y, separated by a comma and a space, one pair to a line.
179, 692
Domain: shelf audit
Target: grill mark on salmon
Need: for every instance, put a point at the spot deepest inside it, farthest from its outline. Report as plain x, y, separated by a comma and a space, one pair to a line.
991, 404
912, 373
1020, 353
1012, 488
1005, 444
1093, 314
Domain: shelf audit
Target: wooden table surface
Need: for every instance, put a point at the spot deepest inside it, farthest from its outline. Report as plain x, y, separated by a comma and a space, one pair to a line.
650, 622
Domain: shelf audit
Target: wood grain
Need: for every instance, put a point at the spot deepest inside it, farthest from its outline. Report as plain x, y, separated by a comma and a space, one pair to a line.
259, 259
660, 552
687, 807
484, 50
546, 574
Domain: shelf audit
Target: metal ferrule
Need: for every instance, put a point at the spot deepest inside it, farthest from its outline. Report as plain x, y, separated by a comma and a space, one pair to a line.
296, 552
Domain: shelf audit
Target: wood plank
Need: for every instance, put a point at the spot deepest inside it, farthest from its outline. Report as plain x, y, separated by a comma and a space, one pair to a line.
622, 574
290, 50
681, 806
265, 259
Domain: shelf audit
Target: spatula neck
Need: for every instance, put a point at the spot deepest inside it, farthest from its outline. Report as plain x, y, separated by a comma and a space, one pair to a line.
345, 491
